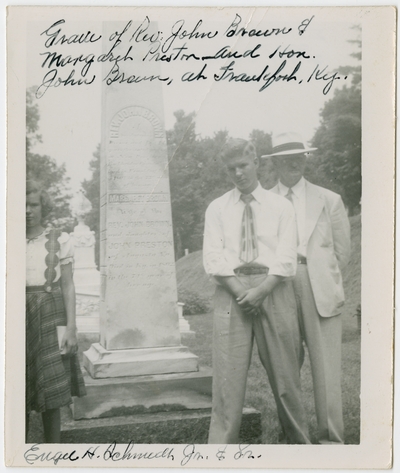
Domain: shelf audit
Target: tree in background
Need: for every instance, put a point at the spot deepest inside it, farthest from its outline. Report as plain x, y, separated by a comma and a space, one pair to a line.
181, 143
45, 170
263, 144
91, 188
32, 120
337, 162
194, 179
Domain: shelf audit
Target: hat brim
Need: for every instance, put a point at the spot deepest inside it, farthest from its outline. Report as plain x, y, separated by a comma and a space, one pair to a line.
289, 152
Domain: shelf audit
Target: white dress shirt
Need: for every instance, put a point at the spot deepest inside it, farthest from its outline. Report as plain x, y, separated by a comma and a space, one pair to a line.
299, 204
275, 228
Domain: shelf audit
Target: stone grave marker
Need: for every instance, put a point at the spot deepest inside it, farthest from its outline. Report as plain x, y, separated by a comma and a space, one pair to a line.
141, 379
139, 327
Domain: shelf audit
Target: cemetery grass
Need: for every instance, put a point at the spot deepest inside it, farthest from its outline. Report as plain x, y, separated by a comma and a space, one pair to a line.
259, 394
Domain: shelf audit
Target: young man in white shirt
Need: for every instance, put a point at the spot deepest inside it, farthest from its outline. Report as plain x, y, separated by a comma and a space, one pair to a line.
323, 250
250, 250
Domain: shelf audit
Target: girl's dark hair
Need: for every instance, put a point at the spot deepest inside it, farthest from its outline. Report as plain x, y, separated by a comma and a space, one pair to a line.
33, 187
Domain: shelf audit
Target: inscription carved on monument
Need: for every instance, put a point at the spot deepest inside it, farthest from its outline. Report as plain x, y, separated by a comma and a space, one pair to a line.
139, 298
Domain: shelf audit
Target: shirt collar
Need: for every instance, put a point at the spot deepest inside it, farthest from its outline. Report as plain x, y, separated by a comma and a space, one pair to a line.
298, 189
257, 194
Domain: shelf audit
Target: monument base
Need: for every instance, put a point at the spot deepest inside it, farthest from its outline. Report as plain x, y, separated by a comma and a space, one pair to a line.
184, 427
102, 363
144, 394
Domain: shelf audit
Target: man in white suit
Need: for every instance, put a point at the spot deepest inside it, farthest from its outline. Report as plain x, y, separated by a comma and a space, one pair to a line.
323, 237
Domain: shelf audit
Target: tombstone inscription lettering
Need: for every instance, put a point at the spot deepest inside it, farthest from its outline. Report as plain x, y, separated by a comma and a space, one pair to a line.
138, 300
138, 297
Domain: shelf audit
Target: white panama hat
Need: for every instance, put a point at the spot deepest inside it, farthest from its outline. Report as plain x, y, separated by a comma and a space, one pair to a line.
285, 144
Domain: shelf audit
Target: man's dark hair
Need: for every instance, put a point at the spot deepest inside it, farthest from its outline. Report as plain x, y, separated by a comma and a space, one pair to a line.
238, 147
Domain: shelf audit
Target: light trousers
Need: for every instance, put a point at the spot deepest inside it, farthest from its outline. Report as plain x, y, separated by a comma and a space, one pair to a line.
277, 335
323, 337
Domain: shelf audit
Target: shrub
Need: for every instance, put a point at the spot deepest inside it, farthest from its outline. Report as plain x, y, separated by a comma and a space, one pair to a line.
195, 304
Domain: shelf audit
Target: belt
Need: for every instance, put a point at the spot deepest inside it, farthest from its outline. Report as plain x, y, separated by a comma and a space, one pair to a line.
44, 288
301, 259
249, 270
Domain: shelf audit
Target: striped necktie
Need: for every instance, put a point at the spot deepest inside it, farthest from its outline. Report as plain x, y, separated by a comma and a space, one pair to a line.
289, 196
248, 240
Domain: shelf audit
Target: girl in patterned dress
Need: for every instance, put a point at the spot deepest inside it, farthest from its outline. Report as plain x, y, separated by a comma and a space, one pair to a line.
51, 377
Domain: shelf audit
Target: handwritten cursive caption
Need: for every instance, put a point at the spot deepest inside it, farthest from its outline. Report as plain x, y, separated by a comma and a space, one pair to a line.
128, 55
44, 454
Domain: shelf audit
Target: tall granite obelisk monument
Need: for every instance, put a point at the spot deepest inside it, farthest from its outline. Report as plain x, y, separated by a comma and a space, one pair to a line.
139, 373
139, 327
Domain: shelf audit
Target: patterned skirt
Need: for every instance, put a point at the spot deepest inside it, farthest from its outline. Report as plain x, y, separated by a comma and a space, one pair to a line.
50, 378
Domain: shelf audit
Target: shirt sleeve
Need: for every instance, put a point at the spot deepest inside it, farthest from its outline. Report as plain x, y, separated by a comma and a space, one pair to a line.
285, 261
66, 249
215, 263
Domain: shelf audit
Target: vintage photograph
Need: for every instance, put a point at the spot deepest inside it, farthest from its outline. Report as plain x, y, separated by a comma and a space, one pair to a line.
197, 184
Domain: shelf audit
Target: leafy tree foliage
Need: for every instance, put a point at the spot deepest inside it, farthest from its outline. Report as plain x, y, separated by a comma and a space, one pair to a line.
194, 178
338, 139
32, 120
263, 144
45, 170
91, 188
337, 163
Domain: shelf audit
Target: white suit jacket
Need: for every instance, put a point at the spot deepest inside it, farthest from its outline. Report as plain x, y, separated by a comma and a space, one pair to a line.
328, 247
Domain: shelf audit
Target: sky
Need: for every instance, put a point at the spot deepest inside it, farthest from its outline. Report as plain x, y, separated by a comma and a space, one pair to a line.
70, 118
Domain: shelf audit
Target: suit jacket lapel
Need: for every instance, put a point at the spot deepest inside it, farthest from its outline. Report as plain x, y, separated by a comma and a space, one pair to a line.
314, 205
